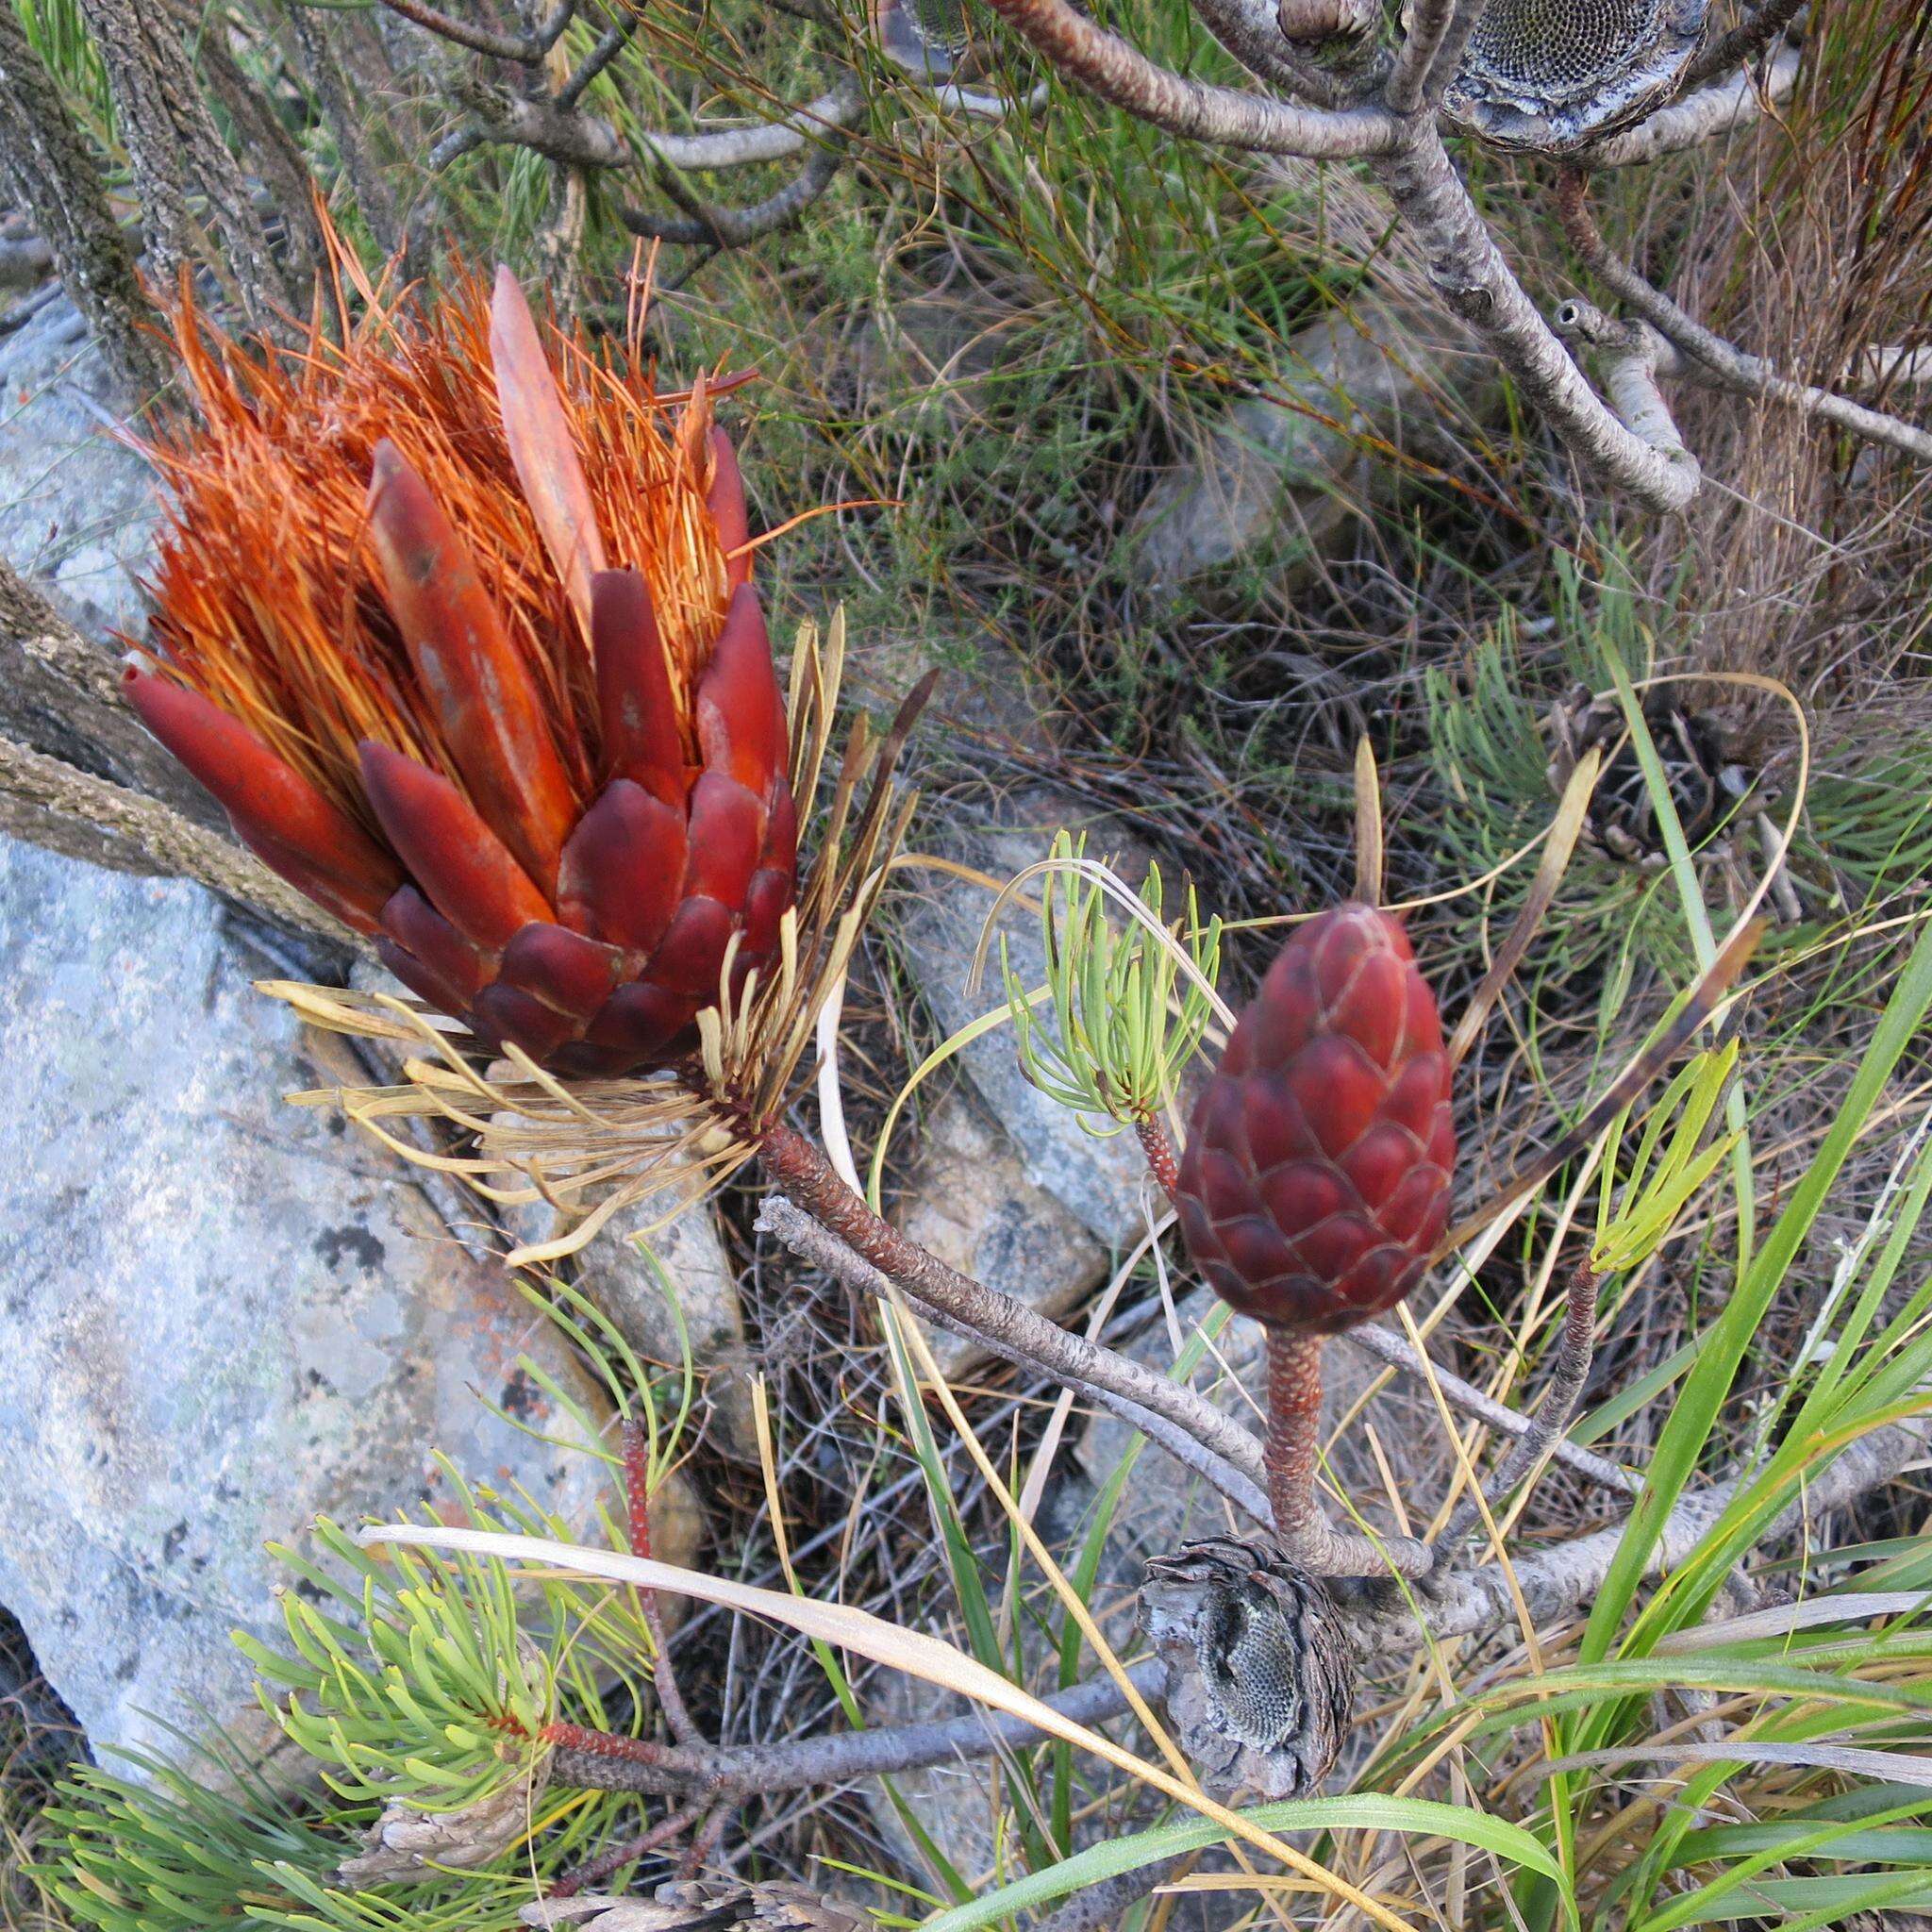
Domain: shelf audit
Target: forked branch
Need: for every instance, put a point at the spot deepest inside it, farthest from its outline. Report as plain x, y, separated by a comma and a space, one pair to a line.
1708, 357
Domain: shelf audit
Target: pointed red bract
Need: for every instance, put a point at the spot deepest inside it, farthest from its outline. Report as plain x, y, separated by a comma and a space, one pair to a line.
622, 871
637, 709
1316, 1177
740, 720
271, 805
465, 869
726, 501
538, 431
478, 689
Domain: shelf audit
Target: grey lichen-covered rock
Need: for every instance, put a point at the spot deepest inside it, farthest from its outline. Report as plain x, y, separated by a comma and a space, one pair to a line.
970, 1202
1284, 479
1097, 1181
221, 1314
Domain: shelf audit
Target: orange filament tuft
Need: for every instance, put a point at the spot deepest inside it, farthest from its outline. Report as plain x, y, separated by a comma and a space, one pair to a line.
268, 595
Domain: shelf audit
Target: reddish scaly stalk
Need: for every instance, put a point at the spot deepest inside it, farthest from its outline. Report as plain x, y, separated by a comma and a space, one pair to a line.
1294, 1419
1574, 1356
1158, 1149
637, 1492
593, 1743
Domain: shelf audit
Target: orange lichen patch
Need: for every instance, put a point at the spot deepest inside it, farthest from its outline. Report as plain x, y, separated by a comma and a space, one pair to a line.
270, 594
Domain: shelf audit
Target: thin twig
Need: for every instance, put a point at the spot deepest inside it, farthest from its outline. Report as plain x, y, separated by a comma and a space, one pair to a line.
637, 1495
609, 44
594, 1871
1387, 1346
705, 224
1728, 366
1742, 45
526, 49
746, 1770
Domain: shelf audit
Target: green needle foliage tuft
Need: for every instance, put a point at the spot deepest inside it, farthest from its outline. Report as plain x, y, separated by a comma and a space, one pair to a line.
1128, 1017
1670, 1167
410, 1676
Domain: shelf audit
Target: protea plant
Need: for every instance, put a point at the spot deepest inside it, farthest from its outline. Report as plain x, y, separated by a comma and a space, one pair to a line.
1315, 1181
466, 646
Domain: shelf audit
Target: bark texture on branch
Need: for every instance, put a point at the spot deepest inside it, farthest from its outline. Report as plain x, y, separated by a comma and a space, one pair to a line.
49, 169
1107, 66
1469, 274
1561, 1578
177, 155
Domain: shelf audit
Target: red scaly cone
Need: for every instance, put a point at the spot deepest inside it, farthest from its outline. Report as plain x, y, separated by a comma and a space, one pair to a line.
1316, 1178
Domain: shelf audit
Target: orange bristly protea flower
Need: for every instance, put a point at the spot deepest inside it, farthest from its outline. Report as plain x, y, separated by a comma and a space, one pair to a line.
469, 655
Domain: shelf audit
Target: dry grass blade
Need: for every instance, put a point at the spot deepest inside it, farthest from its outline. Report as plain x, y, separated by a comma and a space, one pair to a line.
1560, 844
1368, 826
1705, 998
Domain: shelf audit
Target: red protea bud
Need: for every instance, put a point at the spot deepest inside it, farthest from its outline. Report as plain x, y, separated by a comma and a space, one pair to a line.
470, 655
1316, 1177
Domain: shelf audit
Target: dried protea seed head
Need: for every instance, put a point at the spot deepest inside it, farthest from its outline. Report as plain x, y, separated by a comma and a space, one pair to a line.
453, 619
1316, 1177
1260, 1672
1550, 76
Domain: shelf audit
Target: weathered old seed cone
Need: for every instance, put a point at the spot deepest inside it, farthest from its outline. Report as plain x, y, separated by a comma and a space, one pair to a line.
1316, 1177
471, 659
1552, 76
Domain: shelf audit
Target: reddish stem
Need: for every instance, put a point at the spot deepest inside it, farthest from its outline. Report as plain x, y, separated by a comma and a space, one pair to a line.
1294, 1427
601, 1743
637, 1492
1158, 1149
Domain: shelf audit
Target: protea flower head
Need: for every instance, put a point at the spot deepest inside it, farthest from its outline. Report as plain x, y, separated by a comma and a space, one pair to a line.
1315, 1182
1552, 76
459, 632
